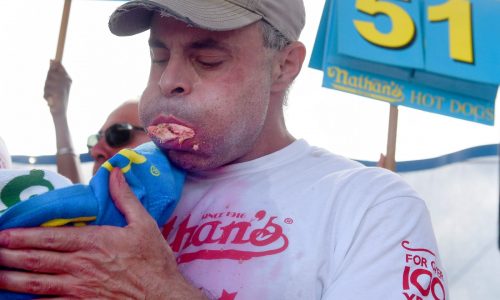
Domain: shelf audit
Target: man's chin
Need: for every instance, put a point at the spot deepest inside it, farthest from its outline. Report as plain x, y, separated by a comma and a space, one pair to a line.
190, 162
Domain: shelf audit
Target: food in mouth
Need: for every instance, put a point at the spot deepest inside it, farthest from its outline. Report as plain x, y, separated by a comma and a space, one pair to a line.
170, 131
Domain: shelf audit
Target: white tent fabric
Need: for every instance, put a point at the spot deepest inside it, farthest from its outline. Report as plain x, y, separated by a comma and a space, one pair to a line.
463, 201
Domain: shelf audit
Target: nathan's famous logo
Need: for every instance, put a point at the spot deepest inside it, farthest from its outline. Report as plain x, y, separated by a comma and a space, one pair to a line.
365, 85
226, 235
421, 276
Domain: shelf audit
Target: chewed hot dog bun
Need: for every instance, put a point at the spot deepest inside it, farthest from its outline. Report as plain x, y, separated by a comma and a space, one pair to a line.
170, 131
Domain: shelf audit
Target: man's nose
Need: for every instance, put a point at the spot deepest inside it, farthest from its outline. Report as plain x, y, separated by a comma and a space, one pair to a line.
175, 79
101, 152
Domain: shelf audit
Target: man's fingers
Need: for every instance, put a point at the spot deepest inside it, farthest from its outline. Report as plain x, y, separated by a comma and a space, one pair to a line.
125, 200
37, 261
31, 283
59, 239
55, 65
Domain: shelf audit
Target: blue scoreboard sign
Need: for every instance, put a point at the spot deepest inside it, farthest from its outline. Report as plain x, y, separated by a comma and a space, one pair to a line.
441, 56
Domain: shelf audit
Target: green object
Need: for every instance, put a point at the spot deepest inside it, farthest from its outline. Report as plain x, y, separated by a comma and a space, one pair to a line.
11, 193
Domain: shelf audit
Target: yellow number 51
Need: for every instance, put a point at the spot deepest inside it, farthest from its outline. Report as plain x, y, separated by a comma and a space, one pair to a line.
456, 12
402, 29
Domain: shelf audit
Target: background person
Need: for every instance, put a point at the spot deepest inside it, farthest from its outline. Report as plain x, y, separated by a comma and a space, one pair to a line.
122, 129
262, 215
56, 92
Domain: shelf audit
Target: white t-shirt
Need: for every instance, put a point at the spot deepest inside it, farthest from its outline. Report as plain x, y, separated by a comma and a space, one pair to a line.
302, 223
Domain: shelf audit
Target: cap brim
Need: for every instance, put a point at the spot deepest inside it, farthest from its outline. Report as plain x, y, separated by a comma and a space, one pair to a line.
219, 15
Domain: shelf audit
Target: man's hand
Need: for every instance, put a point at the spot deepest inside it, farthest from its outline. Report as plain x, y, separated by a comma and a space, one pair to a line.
105, 262
56, 90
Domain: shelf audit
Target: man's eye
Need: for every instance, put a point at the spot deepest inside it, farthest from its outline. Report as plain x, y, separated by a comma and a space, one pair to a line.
158, 61
158, 56
210, 62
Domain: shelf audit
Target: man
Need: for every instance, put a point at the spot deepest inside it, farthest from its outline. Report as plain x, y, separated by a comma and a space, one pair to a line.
121, 126
262, 215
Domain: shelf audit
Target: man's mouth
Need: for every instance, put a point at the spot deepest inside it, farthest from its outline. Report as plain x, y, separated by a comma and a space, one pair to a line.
165, 132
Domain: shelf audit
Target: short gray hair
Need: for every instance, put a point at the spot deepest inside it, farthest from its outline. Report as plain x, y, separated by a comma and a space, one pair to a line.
273, 39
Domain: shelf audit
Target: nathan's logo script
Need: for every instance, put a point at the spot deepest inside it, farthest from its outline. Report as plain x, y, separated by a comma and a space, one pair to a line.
226, 235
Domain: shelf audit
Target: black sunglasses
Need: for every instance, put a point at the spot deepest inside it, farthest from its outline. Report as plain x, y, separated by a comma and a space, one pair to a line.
116, 135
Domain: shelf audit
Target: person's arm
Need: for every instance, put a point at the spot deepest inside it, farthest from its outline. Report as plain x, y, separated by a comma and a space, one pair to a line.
131, 262
56, 92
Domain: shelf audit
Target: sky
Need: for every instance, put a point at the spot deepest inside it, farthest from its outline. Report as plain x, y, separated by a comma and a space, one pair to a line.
107, 70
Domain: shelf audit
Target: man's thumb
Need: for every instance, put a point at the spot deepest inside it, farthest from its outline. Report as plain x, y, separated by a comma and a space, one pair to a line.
124, 199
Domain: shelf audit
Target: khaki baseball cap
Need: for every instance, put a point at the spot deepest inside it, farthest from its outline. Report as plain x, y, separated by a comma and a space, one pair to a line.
287, 16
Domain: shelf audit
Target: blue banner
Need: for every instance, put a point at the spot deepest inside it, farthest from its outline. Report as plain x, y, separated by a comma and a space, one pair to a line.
440, 56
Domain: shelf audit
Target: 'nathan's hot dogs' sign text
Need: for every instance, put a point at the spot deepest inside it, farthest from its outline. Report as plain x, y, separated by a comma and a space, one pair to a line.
441, 56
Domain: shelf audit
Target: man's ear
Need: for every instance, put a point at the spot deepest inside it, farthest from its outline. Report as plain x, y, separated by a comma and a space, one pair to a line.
287, 65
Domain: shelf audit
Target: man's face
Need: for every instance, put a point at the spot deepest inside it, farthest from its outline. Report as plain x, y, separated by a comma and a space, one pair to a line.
216, 83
